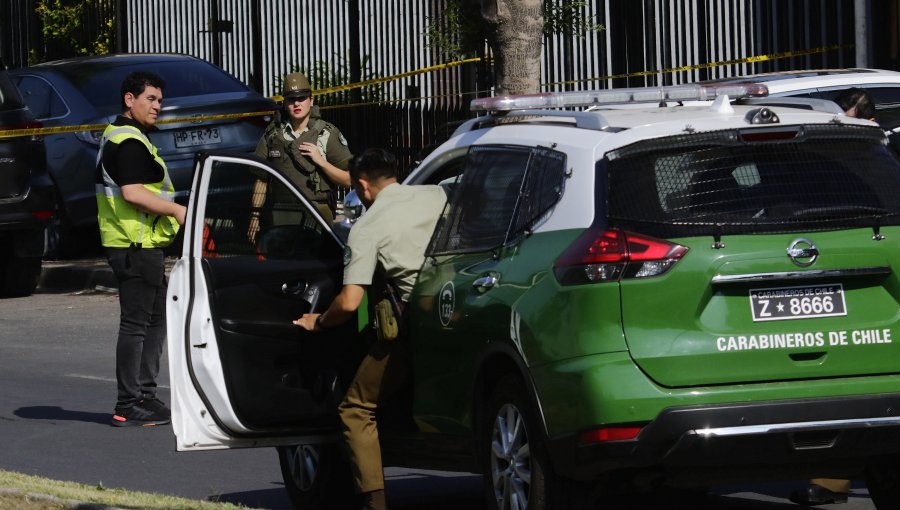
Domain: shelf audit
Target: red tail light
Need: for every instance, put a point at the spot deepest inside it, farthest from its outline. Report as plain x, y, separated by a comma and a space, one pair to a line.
613, 255
607, 434
42, 215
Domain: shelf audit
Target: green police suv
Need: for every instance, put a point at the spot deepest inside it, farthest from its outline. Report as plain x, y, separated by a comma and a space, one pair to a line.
616, 297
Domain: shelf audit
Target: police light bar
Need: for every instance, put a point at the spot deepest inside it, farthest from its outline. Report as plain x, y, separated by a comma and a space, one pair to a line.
617, 96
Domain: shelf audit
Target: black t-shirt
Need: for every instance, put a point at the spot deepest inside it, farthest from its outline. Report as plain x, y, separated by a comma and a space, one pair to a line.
129, 162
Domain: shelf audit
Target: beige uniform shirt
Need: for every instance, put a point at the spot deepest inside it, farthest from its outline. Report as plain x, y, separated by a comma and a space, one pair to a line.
392, 236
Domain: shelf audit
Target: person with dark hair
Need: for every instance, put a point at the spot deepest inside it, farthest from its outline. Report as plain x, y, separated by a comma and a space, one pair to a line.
391, 238
313, 153
138, 217
856, 103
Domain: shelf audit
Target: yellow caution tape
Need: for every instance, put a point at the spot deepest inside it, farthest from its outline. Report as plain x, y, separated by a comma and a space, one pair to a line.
748, 60
12, 133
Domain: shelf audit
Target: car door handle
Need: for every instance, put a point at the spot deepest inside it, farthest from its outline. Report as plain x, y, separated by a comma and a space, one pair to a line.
485, 282
304, 291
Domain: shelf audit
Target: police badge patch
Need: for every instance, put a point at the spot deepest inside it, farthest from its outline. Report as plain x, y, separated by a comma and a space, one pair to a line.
348, 254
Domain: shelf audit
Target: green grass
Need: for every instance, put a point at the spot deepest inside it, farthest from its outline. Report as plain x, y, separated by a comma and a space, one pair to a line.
25, 485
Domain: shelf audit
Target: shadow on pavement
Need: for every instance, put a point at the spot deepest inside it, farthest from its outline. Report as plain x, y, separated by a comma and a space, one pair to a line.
60, 414
271, 499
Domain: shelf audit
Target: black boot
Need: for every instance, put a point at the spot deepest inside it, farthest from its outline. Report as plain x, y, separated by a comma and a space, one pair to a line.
374, 500
815, 495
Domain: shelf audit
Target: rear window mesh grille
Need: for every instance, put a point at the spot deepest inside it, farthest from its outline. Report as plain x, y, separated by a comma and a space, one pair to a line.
723, 185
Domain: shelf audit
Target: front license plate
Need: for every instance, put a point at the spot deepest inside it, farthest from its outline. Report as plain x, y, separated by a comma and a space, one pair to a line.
194, 137
785, 303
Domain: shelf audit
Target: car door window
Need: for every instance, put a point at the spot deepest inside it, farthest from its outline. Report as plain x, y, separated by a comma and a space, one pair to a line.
250, 212
41, 98
502, 192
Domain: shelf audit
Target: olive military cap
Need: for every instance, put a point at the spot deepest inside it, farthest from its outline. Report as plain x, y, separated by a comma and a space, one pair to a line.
295, 84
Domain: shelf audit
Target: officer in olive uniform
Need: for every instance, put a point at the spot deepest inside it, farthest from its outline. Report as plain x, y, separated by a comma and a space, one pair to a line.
312, 152
390, 237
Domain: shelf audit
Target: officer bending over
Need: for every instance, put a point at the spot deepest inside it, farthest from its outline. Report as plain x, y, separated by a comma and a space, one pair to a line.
391, 237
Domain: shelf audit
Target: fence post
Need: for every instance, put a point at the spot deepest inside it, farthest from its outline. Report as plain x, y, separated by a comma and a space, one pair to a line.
355, 71
256, 73
121, 26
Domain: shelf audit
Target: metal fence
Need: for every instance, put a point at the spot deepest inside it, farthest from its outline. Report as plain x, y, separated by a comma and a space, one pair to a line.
341, 41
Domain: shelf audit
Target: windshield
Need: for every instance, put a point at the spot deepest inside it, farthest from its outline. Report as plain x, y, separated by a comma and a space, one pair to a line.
100, 81
753, 181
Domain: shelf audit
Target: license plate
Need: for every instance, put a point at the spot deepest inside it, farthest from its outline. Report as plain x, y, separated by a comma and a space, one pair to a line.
195, 137
785, 303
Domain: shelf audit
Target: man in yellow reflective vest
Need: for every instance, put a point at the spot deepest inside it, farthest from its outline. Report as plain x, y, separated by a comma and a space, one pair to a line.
138, 217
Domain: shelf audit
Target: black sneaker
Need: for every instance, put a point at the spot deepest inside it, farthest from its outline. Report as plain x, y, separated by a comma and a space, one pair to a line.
137, 416
157, 406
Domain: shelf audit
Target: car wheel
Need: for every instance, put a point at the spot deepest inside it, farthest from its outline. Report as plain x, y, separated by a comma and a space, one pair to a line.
18, 275
518, 474
883, 482
316, 476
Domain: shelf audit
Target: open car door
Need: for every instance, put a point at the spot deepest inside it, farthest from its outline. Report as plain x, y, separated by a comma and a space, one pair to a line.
256, 256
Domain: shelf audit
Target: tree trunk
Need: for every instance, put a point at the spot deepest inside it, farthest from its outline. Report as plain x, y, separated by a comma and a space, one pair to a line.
516, 36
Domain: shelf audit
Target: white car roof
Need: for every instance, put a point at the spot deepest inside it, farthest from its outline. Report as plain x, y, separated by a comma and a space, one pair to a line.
792, 81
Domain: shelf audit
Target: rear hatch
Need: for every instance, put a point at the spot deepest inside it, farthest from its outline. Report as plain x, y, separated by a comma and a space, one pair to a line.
792, 244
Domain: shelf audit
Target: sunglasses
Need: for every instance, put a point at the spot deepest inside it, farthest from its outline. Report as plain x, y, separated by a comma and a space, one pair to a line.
298, 98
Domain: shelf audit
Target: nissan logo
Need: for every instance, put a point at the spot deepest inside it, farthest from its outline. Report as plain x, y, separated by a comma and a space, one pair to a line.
802, 252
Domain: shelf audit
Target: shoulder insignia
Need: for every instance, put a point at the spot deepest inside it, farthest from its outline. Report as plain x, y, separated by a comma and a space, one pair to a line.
343, 140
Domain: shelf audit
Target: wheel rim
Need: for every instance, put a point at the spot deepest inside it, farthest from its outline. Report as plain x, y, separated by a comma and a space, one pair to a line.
510, 459
303, 461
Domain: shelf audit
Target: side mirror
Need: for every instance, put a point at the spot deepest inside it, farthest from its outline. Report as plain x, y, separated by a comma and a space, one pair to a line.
353, 207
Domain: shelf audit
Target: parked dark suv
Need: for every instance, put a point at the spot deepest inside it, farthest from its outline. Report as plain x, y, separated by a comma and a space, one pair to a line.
27, 200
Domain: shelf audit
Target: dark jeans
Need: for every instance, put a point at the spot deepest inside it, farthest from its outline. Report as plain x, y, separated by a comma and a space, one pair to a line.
142, 320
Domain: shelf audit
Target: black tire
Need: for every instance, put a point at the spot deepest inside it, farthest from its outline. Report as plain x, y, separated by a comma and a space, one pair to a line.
883, 482
317, 477
18, 275
516, 467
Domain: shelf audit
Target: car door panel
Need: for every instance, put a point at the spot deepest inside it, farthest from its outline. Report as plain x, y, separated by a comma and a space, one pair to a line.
240, 369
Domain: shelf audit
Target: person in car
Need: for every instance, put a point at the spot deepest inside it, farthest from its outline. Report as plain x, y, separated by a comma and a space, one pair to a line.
391, 238
856, 103
137, 217
312, 152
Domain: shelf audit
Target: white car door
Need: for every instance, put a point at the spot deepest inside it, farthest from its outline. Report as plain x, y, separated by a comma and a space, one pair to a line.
256, 256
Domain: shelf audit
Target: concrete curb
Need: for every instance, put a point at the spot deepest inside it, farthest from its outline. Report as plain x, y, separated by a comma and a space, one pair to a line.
76, 275
68, 504
82, 275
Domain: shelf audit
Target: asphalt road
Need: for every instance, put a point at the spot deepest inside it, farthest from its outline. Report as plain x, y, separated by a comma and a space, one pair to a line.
57, 375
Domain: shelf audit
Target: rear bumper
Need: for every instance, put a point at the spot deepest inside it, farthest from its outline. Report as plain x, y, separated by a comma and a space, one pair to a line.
767, 440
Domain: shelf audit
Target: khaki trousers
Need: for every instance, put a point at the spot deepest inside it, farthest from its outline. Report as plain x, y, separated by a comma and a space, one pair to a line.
381, 373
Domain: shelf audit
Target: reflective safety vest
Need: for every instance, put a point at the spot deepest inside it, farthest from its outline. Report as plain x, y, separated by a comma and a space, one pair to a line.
122, 225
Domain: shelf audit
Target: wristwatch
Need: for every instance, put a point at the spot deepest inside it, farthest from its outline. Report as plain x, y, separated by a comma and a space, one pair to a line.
319, 321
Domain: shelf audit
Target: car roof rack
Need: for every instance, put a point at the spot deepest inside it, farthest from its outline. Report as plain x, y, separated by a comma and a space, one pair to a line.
509, 109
